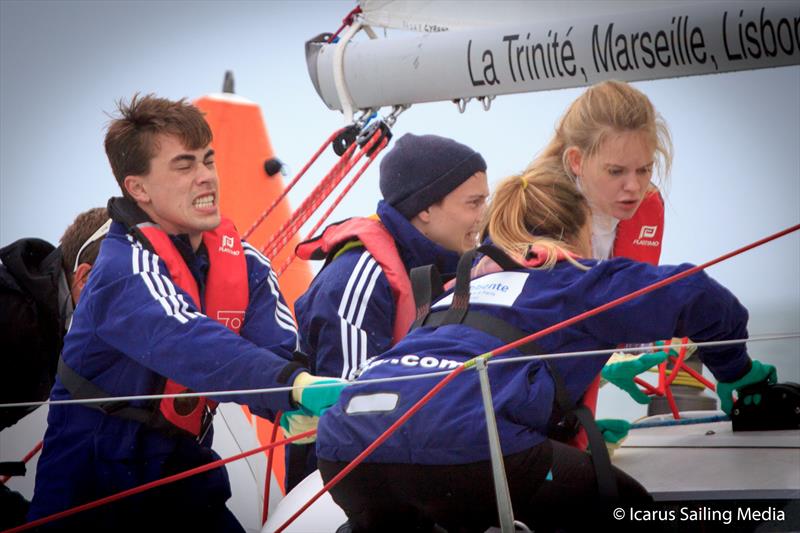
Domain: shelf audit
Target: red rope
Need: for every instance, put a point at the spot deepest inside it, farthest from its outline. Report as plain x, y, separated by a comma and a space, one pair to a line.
291, 185
317, 196
692, 372
307, 208
25, 459
270, 454
347, 21
156, 483
338, 199
525, 340
640, 292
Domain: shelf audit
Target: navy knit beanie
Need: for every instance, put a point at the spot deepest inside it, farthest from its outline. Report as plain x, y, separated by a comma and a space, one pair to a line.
422, 169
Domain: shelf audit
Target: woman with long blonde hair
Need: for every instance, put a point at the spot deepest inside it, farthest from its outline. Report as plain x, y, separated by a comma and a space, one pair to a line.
616, 148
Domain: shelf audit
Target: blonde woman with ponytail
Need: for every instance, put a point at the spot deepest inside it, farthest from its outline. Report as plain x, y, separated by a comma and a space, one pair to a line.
436, 470
540, 210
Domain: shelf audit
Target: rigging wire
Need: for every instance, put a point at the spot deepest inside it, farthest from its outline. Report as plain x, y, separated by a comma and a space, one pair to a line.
420, 403
504, 360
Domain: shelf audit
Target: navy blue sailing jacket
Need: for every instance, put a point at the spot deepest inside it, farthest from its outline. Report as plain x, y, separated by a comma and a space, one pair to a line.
451, 428
133, 325
347, 314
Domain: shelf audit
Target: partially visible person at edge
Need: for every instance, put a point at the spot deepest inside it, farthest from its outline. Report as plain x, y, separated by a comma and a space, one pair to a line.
174, 300
435, 471
611, 142
434, 194
39, 287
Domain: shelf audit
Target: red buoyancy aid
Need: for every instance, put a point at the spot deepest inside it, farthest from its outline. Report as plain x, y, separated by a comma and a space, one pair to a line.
226, 299
380, 244
638, 238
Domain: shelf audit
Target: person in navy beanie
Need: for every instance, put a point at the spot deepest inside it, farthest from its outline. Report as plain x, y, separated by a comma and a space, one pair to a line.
360, 304
422, 169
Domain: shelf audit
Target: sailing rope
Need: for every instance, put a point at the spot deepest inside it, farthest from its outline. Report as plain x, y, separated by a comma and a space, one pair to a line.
328, 182
291, 185
681, 422
318, 195
506, 360
427, 375
347, 21
270, 457
370, 158
156, 483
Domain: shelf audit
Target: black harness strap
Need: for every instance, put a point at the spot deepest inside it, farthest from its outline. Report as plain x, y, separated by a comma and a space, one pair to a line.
426, 284
606, 480
458, 309
81, 388
487, 323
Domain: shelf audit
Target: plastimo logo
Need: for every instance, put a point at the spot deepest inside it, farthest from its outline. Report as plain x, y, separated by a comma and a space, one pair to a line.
648, 232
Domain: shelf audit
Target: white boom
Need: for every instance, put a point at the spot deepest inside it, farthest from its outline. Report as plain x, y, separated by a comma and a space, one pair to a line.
536, 55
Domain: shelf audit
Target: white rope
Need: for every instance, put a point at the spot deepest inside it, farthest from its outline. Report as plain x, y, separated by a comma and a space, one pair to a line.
495, 361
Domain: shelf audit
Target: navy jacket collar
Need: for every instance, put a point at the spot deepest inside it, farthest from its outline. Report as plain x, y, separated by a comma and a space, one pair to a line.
415, 248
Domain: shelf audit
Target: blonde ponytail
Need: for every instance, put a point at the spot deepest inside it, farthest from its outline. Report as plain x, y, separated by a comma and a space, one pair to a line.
540, 207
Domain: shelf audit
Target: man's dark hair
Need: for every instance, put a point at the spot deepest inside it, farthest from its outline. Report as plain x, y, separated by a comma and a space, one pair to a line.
131, 138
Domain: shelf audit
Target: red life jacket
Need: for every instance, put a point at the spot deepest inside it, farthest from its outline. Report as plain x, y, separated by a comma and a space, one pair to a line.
372, 234
226, 299
638, 238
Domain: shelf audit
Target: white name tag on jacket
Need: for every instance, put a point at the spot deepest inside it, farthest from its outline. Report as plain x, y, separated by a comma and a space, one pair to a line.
499, 288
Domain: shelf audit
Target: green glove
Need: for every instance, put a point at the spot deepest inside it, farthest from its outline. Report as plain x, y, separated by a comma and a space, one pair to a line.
758, 373
299, 421
316, 400
622, 368
613, 429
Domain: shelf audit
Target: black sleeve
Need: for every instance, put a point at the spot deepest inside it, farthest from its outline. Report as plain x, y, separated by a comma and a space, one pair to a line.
24, 360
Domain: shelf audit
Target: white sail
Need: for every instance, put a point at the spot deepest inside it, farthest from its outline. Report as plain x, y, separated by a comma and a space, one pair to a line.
535, 55
443, 15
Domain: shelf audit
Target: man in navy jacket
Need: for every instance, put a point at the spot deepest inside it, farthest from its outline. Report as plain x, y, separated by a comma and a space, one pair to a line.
175, 301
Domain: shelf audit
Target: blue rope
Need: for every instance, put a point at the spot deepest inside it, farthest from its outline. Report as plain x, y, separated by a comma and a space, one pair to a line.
681, 422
